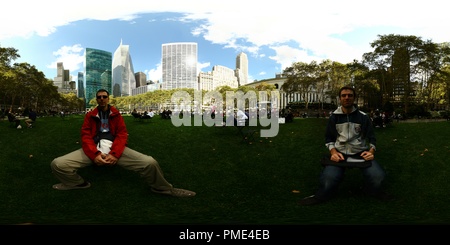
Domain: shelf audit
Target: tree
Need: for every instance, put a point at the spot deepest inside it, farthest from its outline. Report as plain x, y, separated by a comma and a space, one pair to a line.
365, 84
301, 79
338, 76
7, 55
430, 73
397, 54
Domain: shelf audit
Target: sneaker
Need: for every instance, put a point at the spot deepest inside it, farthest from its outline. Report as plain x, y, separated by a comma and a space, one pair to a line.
63, 187
308, 201
176, 192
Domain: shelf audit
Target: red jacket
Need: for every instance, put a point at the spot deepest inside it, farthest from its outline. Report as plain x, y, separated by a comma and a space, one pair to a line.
91, 126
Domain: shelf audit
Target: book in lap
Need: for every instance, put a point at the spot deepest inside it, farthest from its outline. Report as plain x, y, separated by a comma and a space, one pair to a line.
354, 161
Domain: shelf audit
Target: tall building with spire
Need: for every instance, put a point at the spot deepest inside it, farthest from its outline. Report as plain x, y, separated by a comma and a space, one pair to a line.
242, 68
179, 65
123, 78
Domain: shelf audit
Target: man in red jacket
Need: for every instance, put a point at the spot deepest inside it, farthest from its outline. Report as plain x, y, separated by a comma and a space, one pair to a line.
104, 142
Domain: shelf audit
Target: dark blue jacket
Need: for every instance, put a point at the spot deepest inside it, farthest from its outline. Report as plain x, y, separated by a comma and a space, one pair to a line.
350, 133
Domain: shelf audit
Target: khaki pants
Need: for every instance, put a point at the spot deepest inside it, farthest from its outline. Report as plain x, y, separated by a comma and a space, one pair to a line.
65, 168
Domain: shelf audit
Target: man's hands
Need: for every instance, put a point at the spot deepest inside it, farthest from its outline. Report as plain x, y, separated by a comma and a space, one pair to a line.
337, 156
105, 159
367, 155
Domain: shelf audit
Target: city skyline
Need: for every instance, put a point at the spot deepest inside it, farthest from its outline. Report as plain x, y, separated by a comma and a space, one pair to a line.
272, 35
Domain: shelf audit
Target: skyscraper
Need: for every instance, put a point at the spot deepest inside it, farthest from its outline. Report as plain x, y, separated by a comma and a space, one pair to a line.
123, 79
81, 85
242, 68
141, 79
179, 65
59, 79
62, 77
63, 80
97, 72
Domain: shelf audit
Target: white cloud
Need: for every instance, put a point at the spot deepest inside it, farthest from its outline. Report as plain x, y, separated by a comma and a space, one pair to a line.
312, 29
286, 55
200, 66
154, 74
72, 57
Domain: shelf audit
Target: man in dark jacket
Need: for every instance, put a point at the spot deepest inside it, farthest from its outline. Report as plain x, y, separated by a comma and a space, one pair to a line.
31, 118
13, 118
104, 142
349, 135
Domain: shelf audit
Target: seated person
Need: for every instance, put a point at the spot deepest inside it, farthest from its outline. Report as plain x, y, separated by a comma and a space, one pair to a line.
349, 132
13, 118
163, 114
135, 114
289, 116
31, 118
151, 113
241, 117
147, 115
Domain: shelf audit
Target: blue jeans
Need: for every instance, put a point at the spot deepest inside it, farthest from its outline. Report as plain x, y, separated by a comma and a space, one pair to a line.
331, 177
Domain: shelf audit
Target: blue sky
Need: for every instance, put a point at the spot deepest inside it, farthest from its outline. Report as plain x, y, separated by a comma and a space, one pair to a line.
273, 34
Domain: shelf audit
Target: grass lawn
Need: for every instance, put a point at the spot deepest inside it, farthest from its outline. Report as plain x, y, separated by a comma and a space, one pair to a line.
236, 182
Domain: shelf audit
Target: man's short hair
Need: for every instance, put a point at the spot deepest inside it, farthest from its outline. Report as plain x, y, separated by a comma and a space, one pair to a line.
102, 90
347, 88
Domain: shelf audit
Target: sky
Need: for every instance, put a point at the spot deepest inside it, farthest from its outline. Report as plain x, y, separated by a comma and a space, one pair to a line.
273, 34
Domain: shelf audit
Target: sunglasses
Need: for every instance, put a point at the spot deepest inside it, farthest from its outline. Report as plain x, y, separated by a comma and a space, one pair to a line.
102, 96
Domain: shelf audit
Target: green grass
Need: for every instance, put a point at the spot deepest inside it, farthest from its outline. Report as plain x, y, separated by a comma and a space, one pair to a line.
236, 182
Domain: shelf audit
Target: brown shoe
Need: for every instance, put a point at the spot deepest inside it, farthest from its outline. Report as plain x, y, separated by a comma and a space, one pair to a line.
176, 192
63, 187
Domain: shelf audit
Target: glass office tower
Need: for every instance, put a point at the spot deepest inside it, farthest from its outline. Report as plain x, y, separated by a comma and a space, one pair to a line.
80, 85
98, 65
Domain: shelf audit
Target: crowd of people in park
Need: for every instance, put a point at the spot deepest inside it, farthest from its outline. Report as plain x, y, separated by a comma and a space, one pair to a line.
165, 114
16, 118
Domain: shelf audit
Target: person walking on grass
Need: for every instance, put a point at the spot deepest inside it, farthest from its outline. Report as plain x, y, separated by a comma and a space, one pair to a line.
104, 143
349, 133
